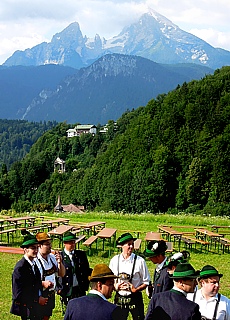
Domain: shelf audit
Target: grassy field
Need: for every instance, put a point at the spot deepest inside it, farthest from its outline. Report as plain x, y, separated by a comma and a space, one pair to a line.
123, 223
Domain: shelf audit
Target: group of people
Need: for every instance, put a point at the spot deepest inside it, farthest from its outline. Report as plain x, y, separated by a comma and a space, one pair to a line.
173, 291
40, 274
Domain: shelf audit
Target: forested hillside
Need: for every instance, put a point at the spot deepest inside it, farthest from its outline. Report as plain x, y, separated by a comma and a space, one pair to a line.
171, 155
17, 136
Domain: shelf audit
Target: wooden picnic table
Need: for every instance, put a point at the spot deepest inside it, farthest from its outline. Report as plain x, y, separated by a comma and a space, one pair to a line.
207, 235
151, 236
52, 223
94, 226
59, 231
107, 233
170, 232
225, 229
16, 221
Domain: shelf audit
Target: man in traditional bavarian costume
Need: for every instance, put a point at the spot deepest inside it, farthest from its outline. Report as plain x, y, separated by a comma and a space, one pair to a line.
26, 283
133, 278
50, 266
75, 283
172, 304
95, 306
155, 251
213, 305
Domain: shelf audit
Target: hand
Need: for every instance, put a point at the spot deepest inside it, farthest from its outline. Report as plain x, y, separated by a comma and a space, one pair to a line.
58, 257
47, 284
132, 288
42, 301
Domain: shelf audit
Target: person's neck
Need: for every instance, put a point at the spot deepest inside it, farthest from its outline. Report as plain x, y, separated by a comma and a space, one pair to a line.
30, 258
206, 296
126, 255
44, 256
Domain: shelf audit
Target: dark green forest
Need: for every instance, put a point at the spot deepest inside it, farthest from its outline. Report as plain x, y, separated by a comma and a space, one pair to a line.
17, 137
171, 155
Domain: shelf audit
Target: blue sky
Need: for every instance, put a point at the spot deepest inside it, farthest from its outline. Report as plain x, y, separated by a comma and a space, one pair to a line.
25, 23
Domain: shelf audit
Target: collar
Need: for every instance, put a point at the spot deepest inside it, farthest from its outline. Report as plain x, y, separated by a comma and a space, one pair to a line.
32, 263
161, 265
69, 253
179, 290
130, 258
39, 256
98, 293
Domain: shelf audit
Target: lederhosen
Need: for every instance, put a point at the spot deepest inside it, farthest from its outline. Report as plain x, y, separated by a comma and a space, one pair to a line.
133, 302
215, 310
50, 294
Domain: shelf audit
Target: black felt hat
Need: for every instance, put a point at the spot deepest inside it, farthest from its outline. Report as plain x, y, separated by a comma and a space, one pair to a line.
184, 271
209, 271
155, 248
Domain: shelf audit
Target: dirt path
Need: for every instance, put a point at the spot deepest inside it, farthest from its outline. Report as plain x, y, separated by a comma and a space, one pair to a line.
11, 250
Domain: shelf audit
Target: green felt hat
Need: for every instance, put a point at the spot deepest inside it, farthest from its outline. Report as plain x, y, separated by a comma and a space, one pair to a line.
29, 240
155, 248
209, 271
69, 236
183, 271
125, 237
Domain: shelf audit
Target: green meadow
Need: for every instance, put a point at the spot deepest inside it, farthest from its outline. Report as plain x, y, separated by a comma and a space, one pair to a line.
141, 223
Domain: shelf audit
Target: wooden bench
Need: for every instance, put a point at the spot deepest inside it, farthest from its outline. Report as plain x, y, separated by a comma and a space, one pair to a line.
79, 239
8, 232
137, 244
188, 242
203, 243
225, 244
88, 243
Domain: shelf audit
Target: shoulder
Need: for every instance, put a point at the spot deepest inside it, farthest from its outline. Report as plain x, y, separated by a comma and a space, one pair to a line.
20, 263
225, 299
80, 253
114, 259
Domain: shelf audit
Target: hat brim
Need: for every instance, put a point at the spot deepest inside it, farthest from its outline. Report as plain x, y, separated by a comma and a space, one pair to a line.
28, 245
210, 275
124, 242
68, 239
104, 277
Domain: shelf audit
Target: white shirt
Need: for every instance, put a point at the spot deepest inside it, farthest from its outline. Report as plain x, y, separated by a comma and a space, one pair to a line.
140, 274
207, 307
31, 262
47, 264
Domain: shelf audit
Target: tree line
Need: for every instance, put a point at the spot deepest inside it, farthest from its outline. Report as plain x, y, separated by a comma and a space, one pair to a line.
171, 155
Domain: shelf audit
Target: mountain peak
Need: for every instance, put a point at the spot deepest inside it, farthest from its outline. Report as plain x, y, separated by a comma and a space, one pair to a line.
152, 36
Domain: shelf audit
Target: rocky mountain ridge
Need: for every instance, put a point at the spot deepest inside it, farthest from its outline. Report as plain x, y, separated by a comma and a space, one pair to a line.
153, 37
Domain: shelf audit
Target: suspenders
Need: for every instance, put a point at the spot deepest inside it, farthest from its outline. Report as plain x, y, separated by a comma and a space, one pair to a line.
134, 262
216, 306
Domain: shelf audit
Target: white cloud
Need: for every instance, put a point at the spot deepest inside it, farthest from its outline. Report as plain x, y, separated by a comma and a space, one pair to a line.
25, 23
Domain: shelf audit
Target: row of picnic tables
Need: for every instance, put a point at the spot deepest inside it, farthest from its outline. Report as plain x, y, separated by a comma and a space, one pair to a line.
201, 235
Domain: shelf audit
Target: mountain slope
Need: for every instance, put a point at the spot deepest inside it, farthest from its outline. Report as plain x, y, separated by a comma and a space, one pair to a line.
153, 36
109, 87
19, 85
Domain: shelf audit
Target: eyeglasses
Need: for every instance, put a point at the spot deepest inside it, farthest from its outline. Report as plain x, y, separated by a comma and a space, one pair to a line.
214, 283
